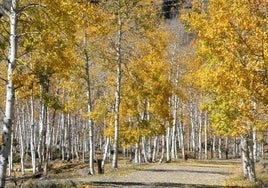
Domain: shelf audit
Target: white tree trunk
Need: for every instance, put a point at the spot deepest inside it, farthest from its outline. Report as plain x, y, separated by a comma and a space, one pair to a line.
192, 121
10, 92
91, 147
89, 108
106, 151
255, 145
10, 159
22, 143
181, 136
32, 127
42, 135
155, 144
226, 148
149, 149
163, 149
174, 152
73, 137
220, 149
206, 135
47, 144
214, 146
76, 146
168, 144
200, 135
118, 87
137, 154
262, 148
248, 159
50, 125
144, 152
255, 152
68, 138
62, 138
84, 142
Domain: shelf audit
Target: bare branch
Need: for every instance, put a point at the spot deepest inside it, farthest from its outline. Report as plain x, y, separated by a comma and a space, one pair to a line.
29, 6
3, 79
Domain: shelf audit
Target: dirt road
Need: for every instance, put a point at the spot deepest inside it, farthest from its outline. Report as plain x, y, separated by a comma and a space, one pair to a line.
165, 175
178, 174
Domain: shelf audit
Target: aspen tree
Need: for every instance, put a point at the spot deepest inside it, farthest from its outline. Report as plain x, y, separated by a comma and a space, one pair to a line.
91, 29
132, 22
232, 46
118, 84
10, 91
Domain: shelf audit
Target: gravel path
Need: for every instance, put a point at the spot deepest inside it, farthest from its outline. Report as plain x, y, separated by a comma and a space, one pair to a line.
165, 175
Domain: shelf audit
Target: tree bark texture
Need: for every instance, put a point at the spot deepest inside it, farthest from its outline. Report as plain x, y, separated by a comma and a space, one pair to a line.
10, 92
248, 158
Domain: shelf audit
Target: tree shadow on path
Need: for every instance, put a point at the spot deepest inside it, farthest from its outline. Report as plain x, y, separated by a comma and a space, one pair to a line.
186, 171
150, 185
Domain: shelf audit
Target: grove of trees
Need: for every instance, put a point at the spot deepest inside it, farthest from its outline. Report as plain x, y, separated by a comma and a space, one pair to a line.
152, 80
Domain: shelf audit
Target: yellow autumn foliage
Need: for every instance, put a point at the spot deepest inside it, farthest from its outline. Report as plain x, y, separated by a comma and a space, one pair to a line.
232, 48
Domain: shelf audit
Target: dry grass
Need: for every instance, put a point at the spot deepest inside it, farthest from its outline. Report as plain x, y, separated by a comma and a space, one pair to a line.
237, 179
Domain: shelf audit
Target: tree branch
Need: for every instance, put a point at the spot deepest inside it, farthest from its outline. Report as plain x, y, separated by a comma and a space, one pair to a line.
30, 5
3, 79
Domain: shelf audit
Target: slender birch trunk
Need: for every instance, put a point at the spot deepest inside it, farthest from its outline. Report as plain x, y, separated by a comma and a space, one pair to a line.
137, 154
76, 146
181, 136
220, 151
206, 135
226, 148
174, 152
76, 137
247, 158
50, 125
214, 146
163, 147
262, 148
62, 139
118, 86
144, 152
175, 104
68, 138
89, 107
106, 151
10, 159
192, 121
47, 144
32, 127
200, 135
255, 152
168, 144
149, 149
72, 141
155, 147
22, 143
235, 148
42, 135
255, 145
10, 92
83, 142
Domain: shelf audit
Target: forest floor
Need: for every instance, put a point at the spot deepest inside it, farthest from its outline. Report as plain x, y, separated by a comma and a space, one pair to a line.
191, 173
166, 175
